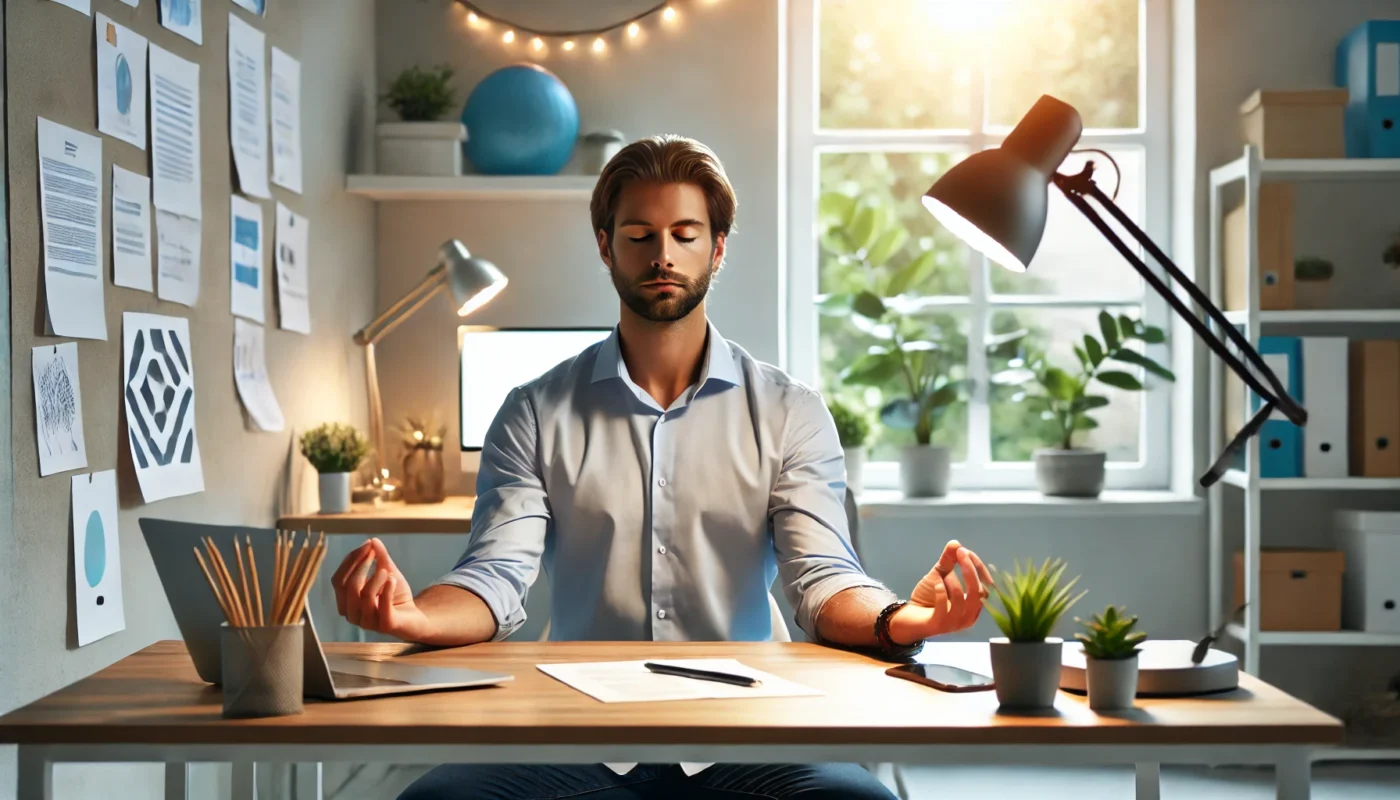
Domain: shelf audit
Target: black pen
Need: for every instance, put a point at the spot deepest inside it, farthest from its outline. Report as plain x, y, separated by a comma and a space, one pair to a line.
701, 674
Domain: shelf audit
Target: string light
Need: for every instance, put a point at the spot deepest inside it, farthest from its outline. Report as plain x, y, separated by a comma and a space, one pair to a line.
598, 45
508, 37
569, 45
537, 43
669, 14
543, 41
633, 30
472, 18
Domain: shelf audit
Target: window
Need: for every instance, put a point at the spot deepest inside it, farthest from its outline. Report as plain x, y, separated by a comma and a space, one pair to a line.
883, 98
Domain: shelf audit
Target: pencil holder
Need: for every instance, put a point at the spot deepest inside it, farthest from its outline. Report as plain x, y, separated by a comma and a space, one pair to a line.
262, 670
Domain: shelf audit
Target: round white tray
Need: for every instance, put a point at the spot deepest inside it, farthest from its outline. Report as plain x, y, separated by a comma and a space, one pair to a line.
1164, 670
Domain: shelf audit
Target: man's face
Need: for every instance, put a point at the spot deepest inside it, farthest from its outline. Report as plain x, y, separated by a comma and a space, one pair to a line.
662, 255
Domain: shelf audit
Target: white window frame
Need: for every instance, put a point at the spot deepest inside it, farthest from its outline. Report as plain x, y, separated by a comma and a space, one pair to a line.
805, 144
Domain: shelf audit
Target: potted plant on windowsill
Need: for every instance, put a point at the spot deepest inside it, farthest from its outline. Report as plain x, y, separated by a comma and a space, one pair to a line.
853, 429
336, 451
1026, 660
421, 144
1065, 401
1111, 654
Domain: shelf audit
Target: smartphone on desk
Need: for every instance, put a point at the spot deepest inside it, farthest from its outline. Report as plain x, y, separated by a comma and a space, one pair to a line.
943, 677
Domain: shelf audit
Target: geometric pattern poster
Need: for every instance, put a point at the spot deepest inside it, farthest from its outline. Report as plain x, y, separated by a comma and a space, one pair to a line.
158, 390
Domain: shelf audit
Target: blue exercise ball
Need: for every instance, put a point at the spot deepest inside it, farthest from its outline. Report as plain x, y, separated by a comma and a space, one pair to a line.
521, 120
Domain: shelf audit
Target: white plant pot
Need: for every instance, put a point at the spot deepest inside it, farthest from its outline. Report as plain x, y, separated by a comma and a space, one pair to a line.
335, 492
1027, 674
924, 470
855, 468
1069, 473
420, 148
1112, 683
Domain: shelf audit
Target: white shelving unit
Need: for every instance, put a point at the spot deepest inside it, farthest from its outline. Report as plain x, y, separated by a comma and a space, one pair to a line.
471, 187
1251, 170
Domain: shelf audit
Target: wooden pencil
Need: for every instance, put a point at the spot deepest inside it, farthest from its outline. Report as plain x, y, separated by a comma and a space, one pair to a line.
244, 594
313, 563
257, 590
229, 587
213, 586
276, 574
294, 580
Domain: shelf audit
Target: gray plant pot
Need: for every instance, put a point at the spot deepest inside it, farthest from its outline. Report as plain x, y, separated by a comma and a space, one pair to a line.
1112, 683
1069, 473
924, 470
855, 468
1027, 674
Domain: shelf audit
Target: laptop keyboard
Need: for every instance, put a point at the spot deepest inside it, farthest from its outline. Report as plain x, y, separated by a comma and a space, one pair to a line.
349, 680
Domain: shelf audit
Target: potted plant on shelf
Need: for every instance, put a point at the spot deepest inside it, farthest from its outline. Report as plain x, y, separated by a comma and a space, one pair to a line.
1111, 653
336, 451
1026, 659
1312, 279
423, 478
853, 429
421, 144
1065, 400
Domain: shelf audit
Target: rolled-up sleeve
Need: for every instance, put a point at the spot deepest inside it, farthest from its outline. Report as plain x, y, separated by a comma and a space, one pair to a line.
510, 517
808, 513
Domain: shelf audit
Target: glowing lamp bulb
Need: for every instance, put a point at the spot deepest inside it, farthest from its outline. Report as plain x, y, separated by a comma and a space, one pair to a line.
473, 18
669, 14
569, 45
508, 37
598, 45
633, 30
537, 43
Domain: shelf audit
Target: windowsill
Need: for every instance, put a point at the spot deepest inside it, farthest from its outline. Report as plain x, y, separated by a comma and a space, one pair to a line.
1014, 503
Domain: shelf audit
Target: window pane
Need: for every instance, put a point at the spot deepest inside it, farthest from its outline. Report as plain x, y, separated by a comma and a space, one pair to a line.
889, 185
1017, 429
846, 338
1085, 52
1074, 259
891, 64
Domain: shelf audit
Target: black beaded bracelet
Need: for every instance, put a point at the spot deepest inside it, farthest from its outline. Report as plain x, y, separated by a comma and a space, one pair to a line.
888, 646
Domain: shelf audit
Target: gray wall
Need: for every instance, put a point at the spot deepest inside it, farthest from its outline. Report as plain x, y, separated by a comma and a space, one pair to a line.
714, 78
316, 377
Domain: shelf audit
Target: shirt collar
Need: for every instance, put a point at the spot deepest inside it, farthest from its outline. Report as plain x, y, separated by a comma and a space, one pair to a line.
719, 359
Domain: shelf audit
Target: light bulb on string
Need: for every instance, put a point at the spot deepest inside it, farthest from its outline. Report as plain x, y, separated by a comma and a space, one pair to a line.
569, 45
472, 18
537, 43
598, 45
508, 37
669, 14
633, 29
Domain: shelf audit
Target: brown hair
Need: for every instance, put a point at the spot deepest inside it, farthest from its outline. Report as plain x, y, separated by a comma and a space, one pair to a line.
665, 159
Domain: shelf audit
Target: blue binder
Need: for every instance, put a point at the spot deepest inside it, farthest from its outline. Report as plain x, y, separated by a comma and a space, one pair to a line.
1280, 441
1368, 66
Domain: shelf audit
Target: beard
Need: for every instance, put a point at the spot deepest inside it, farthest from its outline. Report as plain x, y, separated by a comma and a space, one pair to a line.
669, 307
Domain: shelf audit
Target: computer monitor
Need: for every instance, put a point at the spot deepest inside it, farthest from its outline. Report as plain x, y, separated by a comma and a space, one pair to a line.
496, 360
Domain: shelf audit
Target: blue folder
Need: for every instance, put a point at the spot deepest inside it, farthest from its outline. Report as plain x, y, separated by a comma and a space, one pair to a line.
1280, 441
1368, 66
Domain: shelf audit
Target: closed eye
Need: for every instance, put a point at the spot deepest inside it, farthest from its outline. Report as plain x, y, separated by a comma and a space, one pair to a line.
639, 238
683, 239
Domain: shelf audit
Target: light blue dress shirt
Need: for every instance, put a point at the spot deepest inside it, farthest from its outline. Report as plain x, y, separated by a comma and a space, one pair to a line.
664, 524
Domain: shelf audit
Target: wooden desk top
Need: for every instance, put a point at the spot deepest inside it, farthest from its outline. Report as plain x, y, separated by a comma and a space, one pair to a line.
453, 515
154, 697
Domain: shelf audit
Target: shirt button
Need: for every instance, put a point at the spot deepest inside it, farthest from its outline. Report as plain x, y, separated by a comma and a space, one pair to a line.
661, 613
661, 549
660, 481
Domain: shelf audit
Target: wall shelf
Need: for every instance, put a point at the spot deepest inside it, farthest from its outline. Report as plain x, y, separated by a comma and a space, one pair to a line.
1236, 477
1320, 317
471, 187
1308, 169
1320, 638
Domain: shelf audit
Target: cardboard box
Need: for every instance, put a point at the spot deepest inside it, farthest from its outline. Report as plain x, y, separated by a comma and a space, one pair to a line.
1296, 124
1276, 291
1373, 417
1371, 540
1299, 590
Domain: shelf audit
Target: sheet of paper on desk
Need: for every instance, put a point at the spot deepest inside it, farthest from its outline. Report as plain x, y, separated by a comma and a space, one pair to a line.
632, 682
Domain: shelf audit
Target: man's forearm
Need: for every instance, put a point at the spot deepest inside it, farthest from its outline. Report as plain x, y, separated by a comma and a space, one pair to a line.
848, 618
454, 617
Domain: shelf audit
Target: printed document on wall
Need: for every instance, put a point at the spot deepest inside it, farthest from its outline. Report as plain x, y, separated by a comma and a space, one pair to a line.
247, 105
158, 392
70, 208
121, 82
250, 376
97, 557
293, 237
286, 121
175, 165
177, 257
85, 6
246, 259
58, 408
131, 230
185, 17
258, 7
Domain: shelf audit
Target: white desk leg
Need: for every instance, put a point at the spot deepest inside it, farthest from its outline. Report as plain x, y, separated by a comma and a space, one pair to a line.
35, 775
1149, 782
306, 781
177, 781
245, 781
1294, 778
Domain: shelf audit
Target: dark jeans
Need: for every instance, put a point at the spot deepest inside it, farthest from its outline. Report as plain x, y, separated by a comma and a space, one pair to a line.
646, 781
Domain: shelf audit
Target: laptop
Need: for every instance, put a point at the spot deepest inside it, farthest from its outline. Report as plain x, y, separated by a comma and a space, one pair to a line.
327, 677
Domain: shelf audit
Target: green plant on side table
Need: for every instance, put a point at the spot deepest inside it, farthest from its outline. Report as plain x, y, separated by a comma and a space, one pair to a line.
853, 430
1026, 659
1066, 401
1111, 652
336, 451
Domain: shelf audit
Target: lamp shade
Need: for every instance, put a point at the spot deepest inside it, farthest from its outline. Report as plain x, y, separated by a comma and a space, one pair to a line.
996, 200
474, 281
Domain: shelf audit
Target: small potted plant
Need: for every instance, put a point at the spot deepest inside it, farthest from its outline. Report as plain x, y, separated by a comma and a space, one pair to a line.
421, 144
336, 451
1065, 401
423, 479
1111, 652
1026, 659
852, 428
1312, 282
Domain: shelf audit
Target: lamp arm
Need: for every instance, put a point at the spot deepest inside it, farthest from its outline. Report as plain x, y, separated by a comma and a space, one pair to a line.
405, 307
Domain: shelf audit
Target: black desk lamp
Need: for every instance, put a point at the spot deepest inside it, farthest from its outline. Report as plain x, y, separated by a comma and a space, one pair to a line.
996, 201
